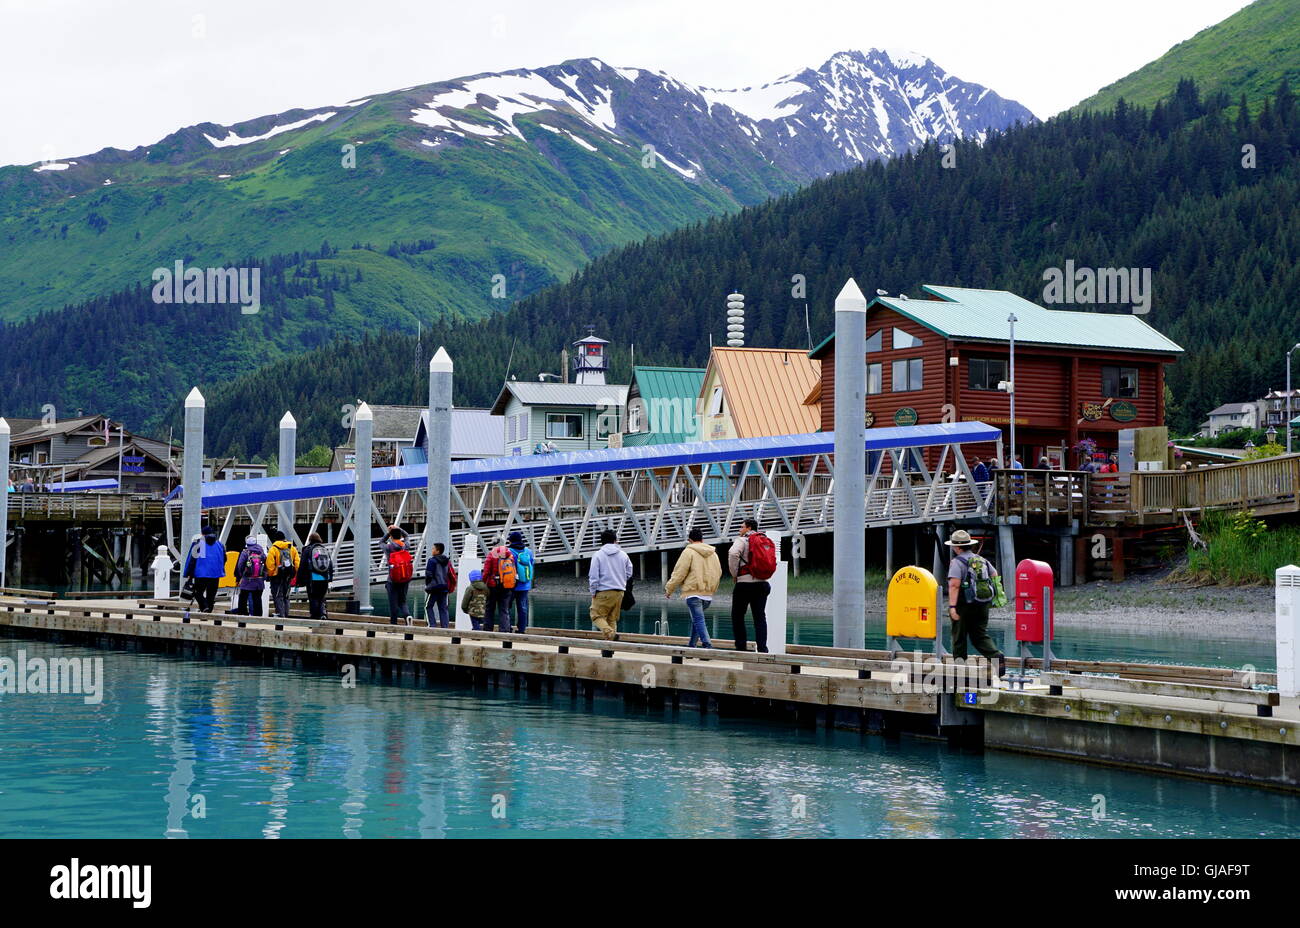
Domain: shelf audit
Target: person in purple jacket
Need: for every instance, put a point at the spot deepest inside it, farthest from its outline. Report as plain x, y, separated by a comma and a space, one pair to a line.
250, 574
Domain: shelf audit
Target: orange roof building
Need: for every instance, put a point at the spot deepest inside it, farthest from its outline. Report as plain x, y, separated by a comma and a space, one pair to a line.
756, 392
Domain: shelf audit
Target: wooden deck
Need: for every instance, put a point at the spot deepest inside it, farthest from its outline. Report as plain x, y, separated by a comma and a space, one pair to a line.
1054, 498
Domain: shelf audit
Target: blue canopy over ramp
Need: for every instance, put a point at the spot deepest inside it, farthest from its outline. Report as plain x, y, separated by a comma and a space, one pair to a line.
227, 493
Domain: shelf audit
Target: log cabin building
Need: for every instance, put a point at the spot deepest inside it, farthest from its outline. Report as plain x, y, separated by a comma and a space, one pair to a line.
1078, 374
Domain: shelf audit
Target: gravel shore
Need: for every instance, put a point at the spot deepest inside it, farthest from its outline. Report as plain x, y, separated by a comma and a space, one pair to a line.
1137, 603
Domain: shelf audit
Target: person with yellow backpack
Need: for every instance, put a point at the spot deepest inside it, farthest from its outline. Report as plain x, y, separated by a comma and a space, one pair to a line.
282, 562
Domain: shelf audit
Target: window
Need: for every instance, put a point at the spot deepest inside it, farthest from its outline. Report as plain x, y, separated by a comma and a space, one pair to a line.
906, 376
1119, 381
905, 340
634, 415
875, 378
986, 373
876, 340
563, 425
715, 402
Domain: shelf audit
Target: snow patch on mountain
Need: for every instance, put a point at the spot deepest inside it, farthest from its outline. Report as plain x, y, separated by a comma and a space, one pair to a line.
235, 139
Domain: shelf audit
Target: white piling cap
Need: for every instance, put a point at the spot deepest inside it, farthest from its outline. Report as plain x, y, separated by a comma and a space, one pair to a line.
363, 412
441, 362
195, 400
288, 422
4, 427
851, 299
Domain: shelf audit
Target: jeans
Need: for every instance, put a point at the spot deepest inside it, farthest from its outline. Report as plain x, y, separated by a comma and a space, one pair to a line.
517, 602
752, 595
250, 602
205, 592
316, 590
696, 606
397, 608
438, 600
280, 586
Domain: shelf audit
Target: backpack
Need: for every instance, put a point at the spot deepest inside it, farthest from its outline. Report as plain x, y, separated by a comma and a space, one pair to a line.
286, 558
977, 584
762, 557
507, 570
400, 566
321, 562
255, 566
451, 578
525, 565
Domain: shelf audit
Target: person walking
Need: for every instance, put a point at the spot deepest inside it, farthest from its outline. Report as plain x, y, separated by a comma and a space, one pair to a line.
397, 552
970, 590
697, 574
315, 571
282, 563
498, 595
438, 582
474, 602
206, 563
250, 572
607, 579
980, 472
517, 600
752, 560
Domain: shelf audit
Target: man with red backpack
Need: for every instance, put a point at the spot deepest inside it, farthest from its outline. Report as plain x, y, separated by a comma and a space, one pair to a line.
401, 568
752, 561
498, 595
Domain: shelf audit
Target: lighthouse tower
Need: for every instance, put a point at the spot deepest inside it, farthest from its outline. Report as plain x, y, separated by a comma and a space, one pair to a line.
590, 359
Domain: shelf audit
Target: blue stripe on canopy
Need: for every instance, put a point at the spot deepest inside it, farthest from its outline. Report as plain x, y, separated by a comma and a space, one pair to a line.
224, 493
80, 486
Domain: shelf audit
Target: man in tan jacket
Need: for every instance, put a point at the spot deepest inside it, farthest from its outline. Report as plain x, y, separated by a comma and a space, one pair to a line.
697, 575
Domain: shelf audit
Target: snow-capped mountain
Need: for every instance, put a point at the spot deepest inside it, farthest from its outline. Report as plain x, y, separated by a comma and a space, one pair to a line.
537, 170
854, 108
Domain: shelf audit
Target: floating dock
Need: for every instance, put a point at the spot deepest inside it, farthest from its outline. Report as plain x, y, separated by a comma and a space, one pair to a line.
1214, 723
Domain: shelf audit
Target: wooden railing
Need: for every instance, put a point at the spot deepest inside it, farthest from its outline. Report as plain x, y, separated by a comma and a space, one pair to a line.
88, 507
1040, 497
1267, 486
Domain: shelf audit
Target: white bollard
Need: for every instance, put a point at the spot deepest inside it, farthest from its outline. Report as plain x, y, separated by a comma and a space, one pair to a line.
776, 602
1287, 618
162, 574
469, 561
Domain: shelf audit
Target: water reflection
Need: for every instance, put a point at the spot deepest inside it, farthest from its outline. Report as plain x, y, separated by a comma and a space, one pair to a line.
281, 753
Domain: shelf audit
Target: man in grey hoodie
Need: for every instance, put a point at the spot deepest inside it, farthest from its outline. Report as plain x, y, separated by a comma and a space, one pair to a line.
611, 569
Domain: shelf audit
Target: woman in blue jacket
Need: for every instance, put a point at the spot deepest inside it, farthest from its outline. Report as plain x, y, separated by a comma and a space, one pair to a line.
206, 563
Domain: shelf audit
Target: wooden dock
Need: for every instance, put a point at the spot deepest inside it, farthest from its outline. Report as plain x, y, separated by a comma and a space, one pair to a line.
1207, 722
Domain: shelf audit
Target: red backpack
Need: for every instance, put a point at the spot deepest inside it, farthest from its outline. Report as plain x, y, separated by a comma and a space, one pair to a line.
451, 578
400, 565
761, 563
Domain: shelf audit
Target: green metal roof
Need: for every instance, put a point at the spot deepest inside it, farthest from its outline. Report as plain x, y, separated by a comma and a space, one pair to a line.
981, 315
668, 382
663, 385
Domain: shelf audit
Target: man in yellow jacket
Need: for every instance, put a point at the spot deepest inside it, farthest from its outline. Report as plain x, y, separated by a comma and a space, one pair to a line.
282, 563
697, 574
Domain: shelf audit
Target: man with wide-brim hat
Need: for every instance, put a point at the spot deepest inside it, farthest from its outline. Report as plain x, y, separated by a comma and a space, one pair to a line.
970, 618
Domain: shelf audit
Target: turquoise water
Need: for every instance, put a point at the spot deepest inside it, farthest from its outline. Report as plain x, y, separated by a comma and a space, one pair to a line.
283, 753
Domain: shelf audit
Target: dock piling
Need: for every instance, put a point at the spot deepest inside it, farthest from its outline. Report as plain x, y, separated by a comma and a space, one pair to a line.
849, 614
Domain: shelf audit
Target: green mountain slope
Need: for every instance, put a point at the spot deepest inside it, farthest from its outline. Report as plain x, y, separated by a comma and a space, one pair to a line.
1248, 54
1162, 189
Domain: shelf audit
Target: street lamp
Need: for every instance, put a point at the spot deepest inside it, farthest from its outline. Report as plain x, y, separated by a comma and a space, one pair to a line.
1271, 434
1011, 385
1288, 397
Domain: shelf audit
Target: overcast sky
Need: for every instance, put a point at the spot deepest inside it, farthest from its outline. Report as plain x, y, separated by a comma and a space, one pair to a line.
79, 75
